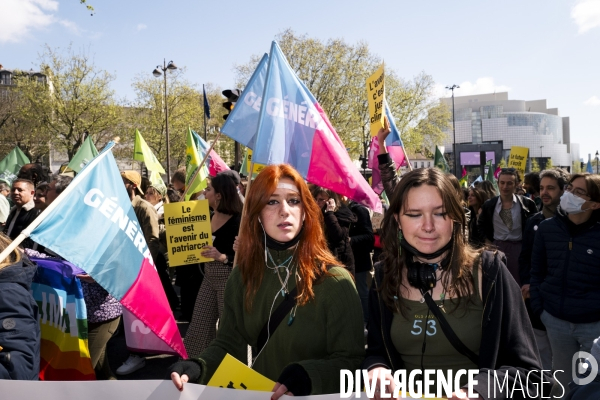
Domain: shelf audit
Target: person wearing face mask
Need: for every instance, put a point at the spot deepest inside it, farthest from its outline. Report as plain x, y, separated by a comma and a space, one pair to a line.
285, 278
428, 270
551, 187
565, 273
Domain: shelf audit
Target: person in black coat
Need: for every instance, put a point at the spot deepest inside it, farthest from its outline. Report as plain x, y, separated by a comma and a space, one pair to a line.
503, 219
338, 219
20, 336
565, 273
362, 241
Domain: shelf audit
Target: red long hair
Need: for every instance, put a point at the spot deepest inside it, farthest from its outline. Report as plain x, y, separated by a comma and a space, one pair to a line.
313, 256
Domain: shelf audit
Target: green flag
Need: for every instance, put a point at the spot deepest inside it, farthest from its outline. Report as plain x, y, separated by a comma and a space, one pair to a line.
439, 160
489, 176
11, 164
84, 155
142, 152
192, 162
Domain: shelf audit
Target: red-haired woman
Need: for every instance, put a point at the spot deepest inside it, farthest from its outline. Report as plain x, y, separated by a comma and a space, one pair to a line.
283, 255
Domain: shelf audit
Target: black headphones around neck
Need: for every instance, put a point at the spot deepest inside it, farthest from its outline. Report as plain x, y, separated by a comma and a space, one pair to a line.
423, 275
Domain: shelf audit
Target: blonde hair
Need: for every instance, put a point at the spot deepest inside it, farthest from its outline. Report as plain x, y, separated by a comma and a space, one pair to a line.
13, 257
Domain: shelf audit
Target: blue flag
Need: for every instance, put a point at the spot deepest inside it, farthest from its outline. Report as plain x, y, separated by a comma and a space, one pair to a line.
206, 107
242, 123
293, 129
93, 225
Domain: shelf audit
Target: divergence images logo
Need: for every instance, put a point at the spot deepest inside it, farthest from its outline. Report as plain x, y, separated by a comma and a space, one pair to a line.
583, 363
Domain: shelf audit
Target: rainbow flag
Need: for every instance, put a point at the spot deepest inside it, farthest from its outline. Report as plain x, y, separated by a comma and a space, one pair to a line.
64, 354
293, 128
395, 149
214, 162
92, 224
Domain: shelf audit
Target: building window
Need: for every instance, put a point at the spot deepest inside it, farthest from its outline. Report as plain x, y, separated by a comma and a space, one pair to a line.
5, 78
416, 164
428, 163
422, 164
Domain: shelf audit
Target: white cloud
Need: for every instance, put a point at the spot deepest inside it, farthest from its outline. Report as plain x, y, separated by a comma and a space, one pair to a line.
141, 27
19, 17
586, 15
71, 26
481, 85
593, 101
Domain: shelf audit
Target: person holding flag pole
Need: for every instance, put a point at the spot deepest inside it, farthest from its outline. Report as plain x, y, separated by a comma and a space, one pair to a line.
93, 225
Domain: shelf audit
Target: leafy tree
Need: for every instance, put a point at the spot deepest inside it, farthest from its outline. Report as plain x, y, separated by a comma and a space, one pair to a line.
186, 110
335, 72
576, 168
535, 166
549, 163
502, 163
75, 101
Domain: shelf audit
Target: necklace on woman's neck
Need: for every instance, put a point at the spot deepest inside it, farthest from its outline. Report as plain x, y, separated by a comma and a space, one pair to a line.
276, 268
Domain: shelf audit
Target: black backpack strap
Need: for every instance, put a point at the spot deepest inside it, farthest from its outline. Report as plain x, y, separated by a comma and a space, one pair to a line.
456, 342
272, 323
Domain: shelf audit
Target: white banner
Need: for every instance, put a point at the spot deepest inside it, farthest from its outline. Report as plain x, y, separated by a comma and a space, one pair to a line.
130, 390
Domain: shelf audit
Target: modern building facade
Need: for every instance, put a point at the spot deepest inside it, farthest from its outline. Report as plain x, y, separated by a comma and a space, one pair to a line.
493, 123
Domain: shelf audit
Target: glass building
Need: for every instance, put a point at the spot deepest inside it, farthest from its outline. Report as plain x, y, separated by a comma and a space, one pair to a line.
492, 122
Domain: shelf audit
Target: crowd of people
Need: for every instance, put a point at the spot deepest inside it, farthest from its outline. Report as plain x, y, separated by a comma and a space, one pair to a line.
304, 284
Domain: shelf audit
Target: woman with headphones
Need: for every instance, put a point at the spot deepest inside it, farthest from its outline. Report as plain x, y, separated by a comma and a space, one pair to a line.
287, 296
438, 303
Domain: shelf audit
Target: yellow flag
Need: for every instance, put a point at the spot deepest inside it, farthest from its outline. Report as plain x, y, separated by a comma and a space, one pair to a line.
192, 162
376, 97
142, 152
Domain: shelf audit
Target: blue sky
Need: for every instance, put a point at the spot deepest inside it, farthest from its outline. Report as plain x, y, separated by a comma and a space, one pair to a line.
534, 49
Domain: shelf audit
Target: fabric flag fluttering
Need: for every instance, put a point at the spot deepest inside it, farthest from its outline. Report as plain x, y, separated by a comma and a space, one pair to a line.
84, 155
464, 181
479, 179
206, 106
95, 206
242, 123
497, 172
589, 168
439, 161
489, 175
214, 162
11, 164
142, 152
192, 163
293, 129
64, 354
395, 149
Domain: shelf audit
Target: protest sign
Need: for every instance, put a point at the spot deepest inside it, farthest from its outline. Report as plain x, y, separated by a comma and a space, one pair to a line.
233, 374
256, 168
376, 97
518, 159
188, 231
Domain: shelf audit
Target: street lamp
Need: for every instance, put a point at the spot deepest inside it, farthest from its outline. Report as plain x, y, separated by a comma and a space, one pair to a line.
157, 72
454, 130
597, 159
542, 155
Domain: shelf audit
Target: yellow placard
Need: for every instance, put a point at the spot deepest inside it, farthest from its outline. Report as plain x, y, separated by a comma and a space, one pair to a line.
188, 231
376, 97
256, 168
518, 158
234, 374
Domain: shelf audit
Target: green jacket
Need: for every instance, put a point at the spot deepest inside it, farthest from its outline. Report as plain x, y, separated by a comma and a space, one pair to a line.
325, 337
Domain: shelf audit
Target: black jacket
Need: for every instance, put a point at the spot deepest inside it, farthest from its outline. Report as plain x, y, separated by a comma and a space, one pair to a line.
337, 232
525, 263
565, 269
507, 346
362, 239
23, 220
485, 223
19, 328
